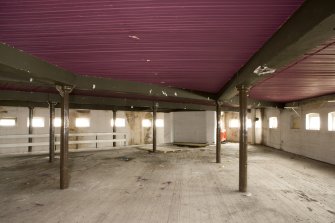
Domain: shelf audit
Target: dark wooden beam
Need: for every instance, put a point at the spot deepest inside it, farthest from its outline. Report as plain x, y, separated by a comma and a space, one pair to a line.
90, 102
18, 66
311, 25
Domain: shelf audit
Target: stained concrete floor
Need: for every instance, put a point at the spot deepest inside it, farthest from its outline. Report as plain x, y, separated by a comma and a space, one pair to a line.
132, 185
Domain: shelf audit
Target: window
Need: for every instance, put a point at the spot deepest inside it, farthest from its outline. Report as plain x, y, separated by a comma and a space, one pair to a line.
82, 122
8, 122
37, 122
57, 122
331, 121
159, 123
146, 123
249, 123
119, 122
273, 122
313, 121
234, 123
258, 123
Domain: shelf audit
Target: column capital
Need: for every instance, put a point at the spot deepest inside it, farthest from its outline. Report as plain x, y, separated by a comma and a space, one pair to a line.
219, 103
243, 87
64, 89
52, 103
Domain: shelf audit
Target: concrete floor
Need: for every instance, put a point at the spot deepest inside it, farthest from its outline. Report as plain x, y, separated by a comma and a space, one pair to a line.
132, 185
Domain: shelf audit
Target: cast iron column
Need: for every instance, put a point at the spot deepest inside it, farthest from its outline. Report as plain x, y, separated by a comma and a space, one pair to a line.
218, 132
154, 140
30, 127
64, 136
114, 127
243, 147
51, 131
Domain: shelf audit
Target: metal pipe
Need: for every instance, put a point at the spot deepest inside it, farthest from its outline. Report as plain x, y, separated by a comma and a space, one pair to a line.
154, 135
114, 127
30, 127
243, 143
51, 131
218, 132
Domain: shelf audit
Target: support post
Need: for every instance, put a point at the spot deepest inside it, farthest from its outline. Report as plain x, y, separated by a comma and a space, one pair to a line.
218, 132
243, 144
30, 127
64, 136
51, 131
114, 127
154, 135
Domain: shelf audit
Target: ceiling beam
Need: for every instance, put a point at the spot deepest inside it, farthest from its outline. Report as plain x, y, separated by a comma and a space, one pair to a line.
312, 24
254, 103
320, 99
18, 66
20, 98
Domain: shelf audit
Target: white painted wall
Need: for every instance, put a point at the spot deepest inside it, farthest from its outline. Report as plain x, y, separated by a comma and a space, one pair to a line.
168, 127
254, 133
100, 121
195, 127
319, 145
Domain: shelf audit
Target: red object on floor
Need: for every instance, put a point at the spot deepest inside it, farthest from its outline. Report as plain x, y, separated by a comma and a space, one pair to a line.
223, 135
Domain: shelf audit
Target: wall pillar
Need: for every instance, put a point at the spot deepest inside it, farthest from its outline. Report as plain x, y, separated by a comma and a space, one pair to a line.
51, 131
30, 127
64, 136
218, 132
243, 143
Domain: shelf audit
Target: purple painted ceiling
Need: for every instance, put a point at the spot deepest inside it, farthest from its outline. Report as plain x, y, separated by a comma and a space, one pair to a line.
195, 44
310, 76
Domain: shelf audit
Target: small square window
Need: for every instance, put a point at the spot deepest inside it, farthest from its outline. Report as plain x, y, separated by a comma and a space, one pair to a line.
234, 123
313, 121
7, 122
146, 123
119, 122
57, 122
273, 122
159, 123
82, 122
331, 121
38, 122
249, 123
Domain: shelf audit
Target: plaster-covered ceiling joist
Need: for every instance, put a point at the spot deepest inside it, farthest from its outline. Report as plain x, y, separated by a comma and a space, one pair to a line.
312, 24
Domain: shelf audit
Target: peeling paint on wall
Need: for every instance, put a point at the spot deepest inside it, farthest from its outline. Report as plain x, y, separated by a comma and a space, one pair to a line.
138, 134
